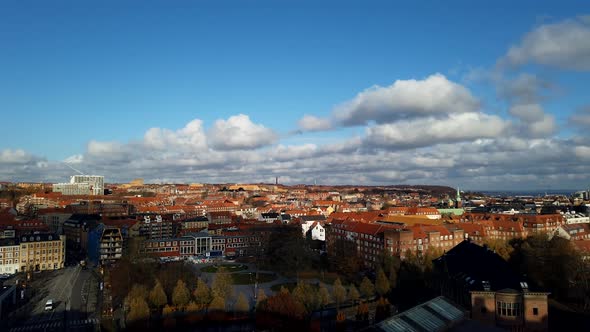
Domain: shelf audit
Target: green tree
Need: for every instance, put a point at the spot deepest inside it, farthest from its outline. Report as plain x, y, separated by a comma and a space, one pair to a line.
381, 284
353, 294
202, 294
138, 310
242, 304
218, 304
222, 285
181, 295
344, 257
339, 292
158, 296
287, 251
367, 288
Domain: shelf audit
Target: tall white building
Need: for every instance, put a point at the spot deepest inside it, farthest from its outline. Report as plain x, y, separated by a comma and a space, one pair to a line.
81, 185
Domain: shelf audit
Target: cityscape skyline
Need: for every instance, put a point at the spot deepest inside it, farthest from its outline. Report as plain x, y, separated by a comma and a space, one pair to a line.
336, 93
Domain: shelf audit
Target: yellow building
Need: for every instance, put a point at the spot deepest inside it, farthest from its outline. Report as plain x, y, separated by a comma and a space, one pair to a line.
40, 252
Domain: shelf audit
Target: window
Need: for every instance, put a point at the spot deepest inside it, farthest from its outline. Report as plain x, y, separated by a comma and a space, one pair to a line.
536, 311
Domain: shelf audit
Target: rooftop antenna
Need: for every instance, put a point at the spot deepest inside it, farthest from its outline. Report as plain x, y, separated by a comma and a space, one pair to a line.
76, 170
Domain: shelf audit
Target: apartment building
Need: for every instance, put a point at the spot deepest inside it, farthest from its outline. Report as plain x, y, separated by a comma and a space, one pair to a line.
111, 245
42, 251
9, 256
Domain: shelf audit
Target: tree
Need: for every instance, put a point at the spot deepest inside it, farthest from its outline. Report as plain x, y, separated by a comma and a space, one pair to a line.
260, 297
138, 291
381, 284
324, 297
283, 304
181, 295
138, 310
304, 294
383, 310
367, 288
192, 307
284, 290
158, 296
287, 251
222, 285
242, 304
353, 294
202, 294
344, 257
218, 304
167, 310
339, 292
362, 312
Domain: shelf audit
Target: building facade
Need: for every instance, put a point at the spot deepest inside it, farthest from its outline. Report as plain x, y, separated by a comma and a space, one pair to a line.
41, 252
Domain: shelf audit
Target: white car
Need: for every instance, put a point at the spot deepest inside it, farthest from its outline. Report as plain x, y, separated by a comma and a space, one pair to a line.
49, 305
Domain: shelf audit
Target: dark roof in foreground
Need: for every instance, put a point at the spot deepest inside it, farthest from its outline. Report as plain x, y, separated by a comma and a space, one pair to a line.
479, 268
438, 314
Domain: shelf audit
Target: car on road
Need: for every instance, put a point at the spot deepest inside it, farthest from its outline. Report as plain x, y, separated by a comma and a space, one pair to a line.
49, 305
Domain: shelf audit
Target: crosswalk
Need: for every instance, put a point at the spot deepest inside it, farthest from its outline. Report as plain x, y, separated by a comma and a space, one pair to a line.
53, 325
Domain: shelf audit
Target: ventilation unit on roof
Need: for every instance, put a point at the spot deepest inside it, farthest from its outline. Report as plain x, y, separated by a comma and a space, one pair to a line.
486, 285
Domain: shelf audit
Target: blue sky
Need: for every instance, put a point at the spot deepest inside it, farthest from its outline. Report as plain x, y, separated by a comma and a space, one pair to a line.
72, 73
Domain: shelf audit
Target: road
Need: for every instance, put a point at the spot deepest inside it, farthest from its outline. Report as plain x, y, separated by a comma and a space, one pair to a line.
68, 289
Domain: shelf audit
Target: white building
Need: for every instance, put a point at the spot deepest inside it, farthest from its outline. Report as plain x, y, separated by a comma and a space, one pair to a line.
318, 232
9, 256
575, 218
81, 185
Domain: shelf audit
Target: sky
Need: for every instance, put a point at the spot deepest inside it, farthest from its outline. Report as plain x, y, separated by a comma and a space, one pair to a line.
480, 95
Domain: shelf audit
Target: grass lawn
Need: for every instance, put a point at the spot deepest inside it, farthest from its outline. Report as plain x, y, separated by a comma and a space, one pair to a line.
229, 267
248, 279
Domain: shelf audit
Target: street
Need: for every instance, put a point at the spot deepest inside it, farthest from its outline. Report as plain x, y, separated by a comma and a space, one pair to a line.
70, 289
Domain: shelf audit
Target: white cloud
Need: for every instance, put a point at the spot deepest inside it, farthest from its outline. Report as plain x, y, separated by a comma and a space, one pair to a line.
406, 99
17, 156
431, 131
239, 132
565, 44
313, 123
528, 112
543, 127
190, 138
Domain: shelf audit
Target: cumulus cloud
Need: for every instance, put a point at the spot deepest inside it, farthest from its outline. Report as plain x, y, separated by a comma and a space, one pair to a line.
406, 99
17, 157
313, 123
524, 88
528, 112
190, 138
431, 131
239, 132
543, 127
563, 44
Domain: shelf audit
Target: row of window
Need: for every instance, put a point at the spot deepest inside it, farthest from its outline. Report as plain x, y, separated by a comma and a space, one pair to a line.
509, 309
